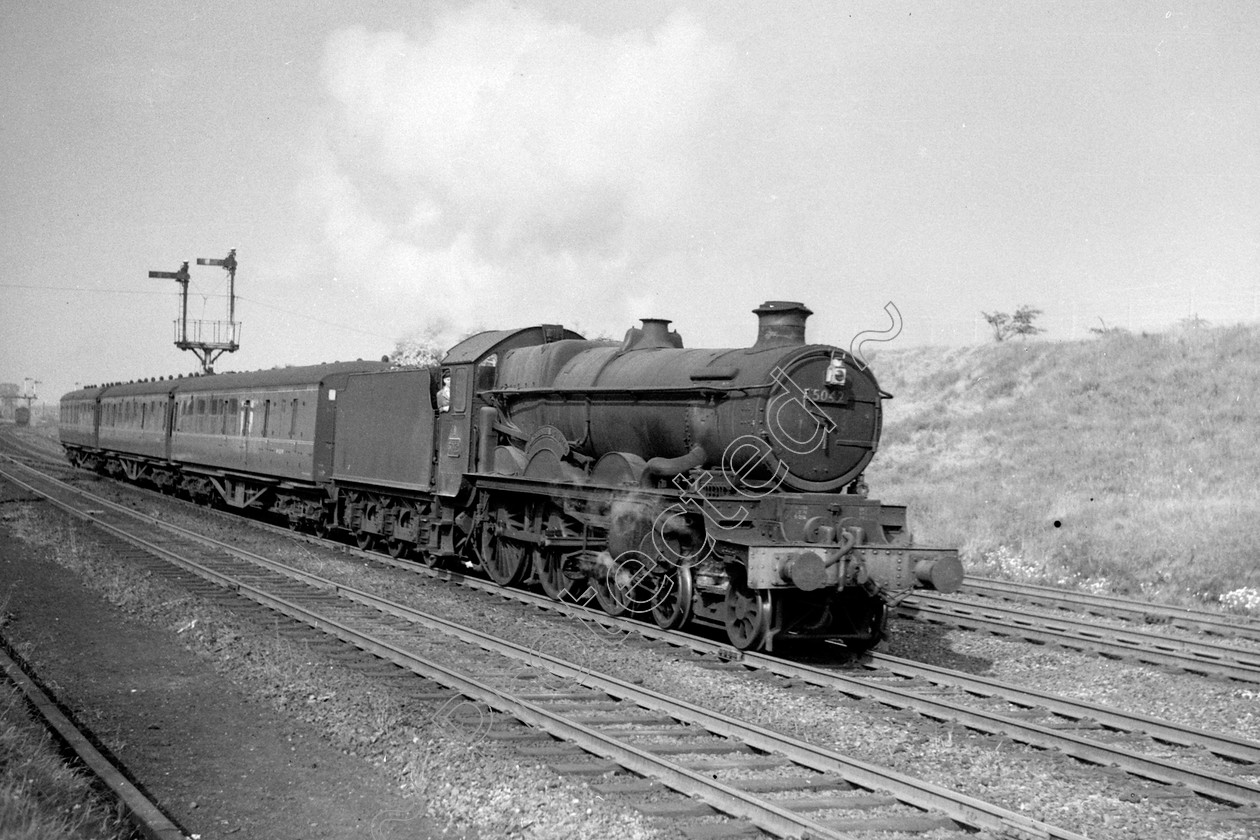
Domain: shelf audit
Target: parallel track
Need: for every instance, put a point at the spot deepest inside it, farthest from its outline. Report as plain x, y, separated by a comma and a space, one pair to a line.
1037, 718
1185, 618
386, 629
1193, 656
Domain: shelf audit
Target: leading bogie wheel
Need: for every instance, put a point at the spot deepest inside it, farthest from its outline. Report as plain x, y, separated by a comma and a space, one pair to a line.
671, 596
748, 614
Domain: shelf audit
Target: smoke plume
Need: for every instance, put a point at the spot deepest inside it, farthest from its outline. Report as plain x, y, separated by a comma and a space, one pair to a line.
499, 167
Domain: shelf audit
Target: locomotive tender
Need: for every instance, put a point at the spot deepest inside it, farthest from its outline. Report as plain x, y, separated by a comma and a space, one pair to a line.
722, 487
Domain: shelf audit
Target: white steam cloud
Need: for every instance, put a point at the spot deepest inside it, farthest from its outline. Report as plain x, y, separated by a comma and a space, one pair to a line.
503, 168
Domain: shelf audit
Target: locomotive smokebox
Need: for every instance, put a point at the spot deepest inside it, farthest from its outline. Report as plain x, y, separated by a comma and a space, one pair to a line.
781, 323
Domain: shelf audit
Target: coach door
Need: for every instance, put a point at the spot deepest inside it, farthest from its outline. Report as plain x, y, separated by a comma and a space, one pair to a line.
454, 428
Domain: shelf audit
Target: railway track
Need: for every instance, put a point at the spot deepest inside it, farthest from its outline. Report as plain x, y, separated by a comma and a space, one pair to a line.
592, 722
1185, 618
140, 811
1193, 656
29, 446
1084, 731
1040, 719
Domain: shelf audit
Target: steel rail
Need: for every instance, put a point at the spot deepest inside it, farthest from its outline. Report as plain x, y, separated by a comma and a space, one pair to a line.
1149, 648
26, 449
140, 811
725, 798
1204, 782
1210, 784
1230, 748
1186, 618
1234, 749
1201, 781
917, 793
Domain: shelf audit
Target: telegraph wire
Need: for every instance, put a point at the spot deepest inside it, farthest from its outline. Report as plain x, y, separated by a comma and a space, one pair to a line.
254, 301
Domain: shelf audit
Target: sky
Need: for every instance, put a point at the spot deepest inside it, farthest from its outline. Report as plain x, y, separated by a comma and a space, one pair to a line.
390, 169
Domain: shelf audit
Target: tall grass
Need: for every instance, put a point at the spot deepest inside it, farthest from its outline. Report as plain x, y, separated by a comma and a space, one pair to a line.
1127, 464
42, 798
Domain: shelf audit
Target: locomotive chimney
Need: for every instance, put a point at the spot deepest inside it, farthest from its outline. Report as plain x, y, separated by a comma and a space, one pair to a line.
781, 322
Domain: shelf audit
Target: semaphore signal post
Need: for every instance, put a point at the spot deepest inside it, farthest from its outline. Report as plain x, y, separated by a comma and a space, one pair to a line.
207, 339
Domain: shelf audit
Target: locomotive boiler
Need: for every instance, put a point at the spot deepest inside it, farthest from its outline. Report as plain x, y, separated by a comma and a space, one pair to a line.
779, 414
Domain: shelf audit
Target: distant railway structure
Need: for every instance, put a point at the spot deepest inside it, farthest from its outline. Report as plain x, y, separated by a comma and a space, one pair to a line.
208, 340
11, 394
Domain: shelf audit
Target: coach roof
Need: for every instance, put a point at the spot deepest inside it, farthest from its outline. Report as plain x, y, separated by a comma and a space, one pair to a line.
274, 378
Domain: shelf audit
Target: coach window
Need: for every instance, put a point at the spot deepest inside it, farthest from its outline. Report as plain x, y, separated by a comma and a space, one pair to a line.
266, 416
247, 417
293, 419
144, 412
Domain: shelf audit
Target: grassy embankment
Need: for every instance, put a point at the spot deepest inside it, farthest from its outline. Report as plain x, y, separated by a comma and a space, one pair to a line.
1128, 464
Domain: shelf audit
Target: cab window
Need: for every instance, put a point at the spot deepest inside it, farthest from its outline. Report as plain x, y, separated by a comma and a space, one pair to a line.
459, 389
485, 372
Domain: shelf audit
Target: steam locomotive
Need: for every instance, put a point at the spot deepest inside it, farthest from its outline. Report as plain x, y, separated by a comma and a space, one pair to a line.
712, 486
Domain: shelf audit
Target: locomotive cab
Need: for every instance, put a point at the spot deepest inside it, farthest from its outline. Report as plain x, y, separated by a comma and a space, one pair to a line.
474, 365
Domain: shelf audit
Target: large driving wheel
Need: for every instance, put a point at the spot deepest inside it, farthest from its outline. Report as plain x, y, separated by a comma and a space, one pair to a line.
549, 567
614, 586
505, 561
747, 614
